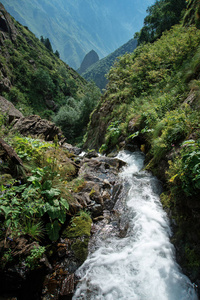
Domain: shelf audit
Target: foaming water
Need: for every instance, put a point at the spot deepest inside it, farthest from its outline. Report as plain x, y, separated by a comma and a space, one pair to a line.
142, 264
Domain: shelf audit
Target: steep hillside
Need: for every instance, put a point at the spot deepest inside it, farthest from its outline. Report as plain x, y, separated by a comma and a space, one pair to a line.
76, 27
152, 101
98, 70
36, 81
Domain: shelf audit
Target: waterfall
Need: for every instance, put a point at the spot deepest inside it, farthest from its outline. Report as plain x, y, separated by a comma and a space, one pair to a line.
140, 265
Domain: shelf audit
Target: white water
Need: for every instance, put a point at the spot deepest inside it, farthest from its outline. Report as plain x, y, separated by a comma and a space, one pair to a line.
140, 266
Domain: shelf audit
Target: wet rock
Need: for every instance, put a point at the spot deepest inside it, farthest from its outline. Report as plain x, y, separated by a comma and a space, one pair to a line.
110, 202
105, 196
72, 149
91, 154
67, 285
96, 210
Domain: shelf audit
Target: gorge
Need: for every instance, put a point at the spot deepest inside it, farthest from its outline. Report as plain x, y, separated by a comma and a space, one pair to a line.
64, 190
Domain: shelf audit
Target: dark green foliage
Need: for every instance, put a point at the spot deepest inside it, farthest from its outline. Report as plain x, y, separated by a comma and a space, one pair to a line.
57, 53
192, 15
161, 16
42, 82
74, 115
47, 44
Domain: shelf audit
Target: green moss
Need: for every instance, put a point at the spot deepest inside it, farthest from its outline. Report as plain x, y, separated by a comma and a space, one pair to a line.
79, 227
6, 179
80, 249
165, 200
79, 230
92, 192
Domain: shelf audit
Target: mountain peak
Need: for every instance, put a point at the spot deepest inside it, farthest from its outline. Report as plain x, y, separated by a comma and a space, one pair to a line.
89, 59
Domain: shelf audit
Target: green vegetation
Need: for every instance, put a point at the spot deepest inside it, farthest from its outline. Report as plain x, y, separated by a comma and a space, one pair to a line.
79, 230
32, 261
36, 200
74, 115
42, 194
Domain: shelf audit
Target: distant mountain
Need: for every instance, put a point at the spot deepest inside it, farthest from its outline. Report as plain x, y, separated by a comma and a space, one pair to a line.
90, 59
76, 27
98, 70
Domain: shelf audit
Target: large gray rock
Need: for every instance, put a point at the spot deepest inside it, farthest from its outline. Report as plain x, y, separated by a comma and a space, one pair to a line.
35, 126
7, 108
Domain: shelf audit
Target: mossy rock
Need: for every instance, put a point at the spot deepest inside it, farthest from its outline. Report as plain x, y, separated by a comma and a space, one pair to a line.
80, 248
6, 179
79, 227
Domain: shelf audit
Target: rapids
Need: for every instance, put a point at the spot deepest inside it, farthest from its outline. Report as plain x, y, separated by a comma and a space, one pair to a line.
140, 265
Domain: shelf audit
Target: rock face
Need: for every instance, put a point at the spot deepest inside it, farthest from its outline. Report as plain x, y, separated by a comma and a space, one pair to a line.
7, 108
90, 58
35, 126
8, 31
6, 25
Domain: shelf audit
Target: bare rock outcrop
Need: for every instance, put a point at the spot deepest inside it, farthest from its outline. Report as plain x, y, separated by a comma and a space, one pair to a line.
7, 108
6, 25
37, 127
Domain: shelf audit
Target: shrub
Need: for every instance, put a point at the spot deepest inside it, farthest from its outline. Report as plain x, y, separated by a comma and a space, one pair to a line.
184, 170
168, 132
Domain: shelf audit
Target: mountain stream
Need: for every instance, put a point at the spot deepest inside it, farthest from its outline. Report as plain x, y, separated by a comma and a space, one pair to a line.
141, 264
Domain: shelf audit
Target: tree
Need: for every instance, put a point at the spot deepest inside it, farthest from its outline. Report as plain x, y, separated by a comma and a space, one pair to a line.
57, 53
43, 82
161, 16
47, 43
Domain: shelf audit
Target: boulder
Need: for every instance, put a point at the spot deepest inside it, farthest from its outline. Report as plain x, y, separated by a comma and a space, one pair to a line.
37, 127
7, 108
102, 185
